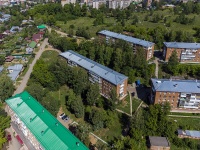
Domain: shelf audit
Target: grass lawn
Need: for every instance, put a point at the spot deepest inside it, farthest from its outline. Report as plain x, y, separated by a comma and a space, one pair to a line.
125, 105
86, 22
190, 123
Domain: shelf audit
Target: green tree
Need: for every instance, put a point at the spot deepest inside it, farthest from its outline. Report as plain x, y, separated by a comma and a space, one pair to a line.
97, 118
6, 87
4, 123
51, 104
173, 63
82, 133
78, 107
93, 94
2, 60
36, 90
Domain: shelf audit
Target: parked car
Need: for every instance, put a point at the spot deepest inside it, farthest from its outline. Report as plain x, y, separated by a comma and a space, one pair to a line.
64, 117
61, 115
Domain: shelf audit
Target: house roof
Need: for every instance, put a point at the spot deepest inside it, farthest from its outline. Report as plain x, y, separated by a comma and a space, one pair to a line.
16, 67
182, 45
127, 38
42, 26
191, 133
168, 85
13, 75
159, 141
36, 36
9, 58
50, 133
92, 66
32, 44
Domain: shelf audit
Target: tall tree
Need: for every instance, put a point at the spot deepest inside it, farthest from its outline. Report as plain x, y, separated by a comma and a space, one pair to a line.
173, 62
78, 107
6, 87
93, 94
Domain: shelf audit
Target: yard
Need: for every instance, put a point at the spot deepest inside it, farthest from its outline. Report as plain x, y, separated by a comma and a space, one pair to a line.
125, 105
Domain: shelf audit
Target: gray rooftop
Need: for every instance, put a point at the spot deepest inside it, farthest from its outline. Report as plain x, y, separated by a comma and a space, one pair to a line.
191, 133
16, 71
92, 66
16, 67
159, 141
127, 38
168, 85
182, 45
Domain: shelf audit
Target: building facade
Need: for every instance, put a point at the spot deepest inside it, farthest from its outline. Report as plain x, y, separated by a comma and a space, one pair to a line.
107, 78
135, 43
186, 52
181, 94
38, 126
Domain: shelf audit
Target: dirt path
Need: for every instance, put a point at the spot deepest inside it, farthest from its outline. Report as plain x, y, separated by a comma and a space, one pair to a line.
184, 116
21, 87
156, 71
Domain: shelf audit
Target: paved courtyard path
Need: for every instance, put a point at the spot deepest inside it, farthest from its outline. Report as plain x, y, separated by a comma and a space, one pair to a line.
22, 86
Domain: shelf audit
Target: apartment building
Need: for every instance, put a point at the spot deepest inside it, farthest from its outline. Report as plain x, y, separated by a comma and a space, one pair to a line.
181, 94
107, 78
40, 130
186, 52
136, 43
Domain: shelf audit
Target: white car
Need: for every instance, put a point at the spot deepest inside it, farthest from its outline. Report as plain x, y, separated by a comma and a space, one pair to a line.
61, 115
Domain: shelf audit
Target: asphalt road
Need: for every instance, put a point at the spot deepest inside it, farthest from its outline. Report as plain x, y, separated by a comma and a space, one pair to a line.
22, 86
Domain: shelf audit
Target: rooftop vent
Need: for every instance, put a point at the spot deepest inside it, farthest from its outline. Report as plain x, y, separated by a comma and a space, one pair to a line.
198, 85
80, 59
42, 132
158, 81
42, 110
70, 54
77, 143
106, 73
31, 119
56, 124
175, 85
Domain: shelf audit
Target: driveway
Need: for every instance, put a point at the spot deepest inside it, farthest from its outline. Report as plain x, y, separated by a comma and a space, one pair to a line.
22, 86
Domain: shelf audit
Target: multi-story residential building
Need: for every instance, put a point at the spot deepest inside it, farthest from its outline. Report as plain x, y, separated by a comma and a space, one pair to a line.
181, 94
136, 43
121, 4
186, 52
40, 129
107, 78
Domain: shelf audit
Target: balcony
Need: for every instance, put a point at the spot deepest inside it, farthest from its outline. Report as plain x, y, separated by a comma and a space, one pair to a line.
189, 104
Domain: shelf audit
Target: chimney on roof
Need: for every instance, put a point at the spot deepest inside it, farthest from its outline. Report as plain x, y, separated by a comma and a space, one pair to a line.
56, 124
175, 85
42, 110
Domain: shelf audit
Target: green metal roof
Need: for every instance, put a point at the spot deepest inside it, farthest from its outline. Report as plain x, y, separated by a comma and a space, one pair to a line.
51, 134
42, 26
32, 44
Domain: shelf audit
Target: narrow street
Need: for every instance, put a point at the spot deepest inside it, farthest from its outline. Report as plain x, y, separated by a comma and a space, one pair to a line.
28, 73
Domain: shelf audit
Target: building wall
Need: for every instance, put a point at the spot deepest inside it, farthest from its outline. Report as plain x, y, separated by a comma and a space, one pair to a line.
21, 126
171, 97
159, 148
167, 52
149, 51
104, 85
